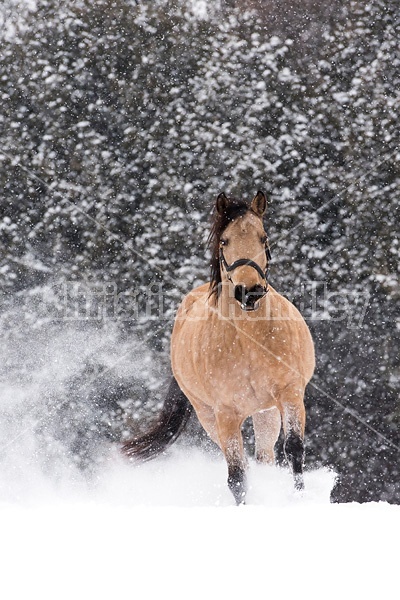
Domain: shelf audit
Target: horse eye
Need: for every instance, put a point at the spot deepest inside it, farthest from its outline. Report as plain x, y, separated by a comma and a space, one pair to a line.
223, 242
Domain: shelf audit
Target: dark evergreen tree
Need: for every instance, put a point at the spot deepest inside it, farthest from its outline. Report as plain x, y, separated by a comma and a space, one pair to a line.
121, 121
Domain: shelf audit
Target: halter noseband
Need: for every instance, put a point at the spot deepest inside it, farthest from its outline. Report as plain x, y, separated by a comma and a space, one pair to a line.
248, 263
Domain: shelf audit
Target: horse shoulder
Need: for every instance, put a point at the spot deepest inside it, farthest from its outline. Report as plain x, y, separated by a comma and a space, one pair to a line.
283, 309
187, 349
193, 301
288, 319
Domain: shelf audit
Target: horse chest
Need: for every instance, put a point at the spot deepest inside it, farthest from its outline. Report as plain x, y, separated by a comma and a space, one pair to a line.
217, 361
234, 373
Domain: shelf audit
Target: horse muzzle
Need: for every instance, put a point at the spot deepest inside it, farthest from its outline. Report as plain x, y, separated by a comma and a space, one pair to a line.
249, 299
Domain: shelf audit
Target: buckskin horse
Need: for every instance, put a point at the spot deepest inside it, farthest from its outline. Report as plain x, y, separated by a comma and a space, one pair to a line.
238, 349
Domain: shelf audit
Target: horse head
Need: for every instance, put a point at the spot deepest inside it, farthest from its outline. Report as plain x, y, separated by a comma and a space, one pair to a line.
241, 245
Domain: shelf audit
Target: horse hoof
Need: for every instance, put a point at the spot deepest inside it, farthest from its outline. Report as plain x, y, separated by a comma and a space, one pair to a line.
298, 483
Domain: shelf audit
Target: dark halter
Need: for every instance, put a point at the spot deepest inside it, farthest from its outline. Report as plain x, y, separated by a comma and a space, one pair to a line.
248, 263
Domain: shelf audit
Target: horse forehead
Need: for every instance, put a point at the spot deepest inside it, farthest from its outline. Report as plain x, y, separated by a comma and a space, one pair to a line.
246, 224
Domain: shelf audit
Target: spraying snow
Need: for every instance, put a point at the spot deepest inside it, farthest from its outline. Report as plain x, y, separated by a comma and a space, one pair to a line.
169, 529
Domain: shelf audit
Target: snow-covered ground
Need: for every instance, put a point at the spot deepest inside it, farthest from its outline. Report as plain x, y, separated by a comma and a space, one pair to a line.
168, 529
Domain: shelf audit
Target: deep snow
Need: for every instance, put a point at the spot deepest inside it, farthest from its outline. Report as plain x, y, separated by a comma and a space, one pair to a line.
168, 529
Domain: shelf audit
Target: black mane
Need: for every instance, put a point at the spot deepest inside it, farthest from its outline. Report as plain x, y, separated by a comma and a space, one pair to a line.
233, 210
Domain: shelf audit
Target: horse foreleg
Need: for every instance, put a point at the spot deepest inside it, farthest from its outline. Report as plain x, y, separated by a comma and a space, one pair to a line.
206, 416
267, 425
294, 417
231, 443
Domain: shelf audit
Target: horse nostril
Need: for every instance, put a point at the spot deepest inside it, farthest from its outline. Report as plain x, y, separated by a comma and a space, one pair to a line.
257, 291
240, 293
249, 297
253, 295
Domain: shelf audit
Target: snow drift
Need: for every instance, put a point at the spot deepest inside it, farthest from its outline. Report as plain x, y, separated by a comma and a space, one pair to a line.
169, 529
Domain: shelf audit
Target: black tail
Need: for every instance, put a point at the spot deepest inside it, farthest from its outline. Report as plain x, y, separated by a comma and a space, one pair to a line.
172, 420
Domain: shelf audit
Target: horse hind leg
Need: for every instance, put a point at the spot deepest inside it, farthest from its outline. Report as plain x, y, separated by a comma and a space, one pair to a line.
267, 426
293, 425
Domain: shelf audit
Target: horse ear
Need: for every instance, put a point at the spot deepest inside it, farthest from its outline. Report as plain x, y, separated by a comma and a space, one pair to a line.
259, 203
221, 203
